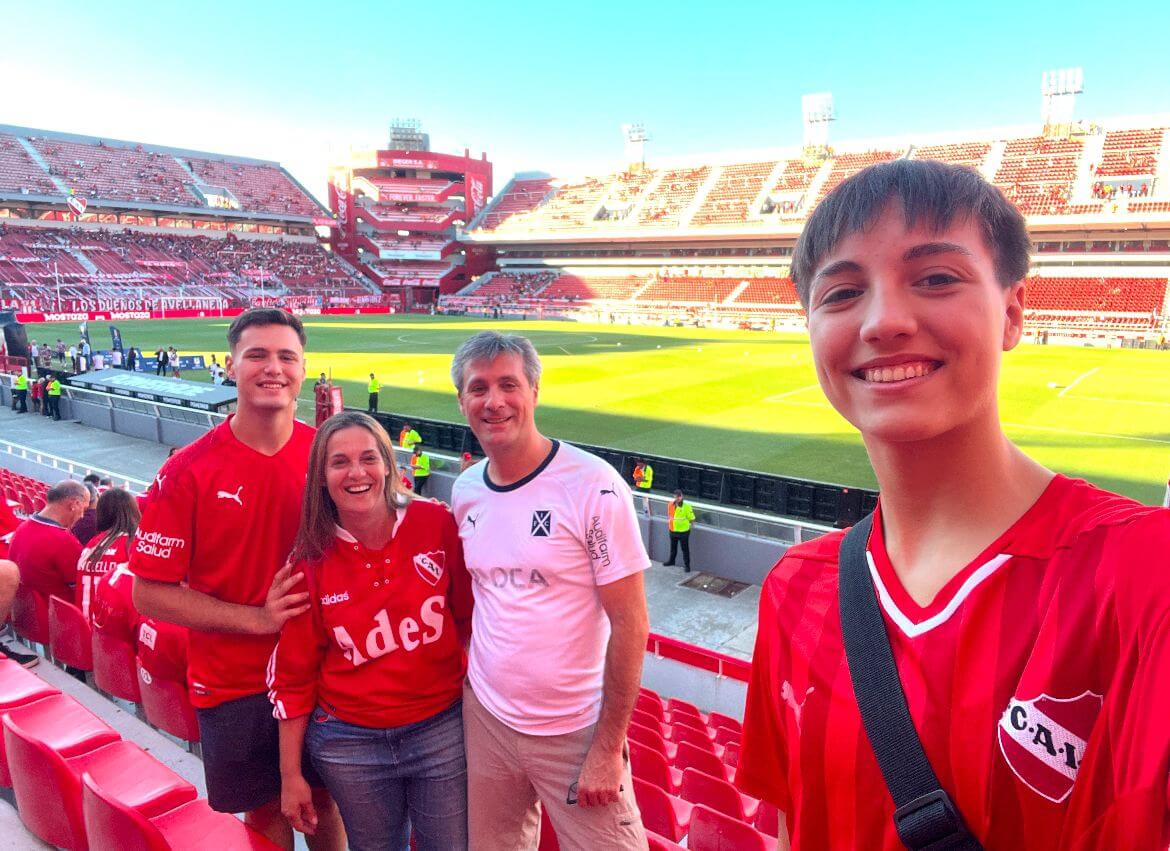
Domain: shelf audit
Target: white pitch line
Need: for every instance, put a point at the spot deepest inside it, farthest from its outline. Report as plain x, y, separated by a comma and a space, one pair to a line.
1122, 401
1077, 381
788, 393
563, 349
1087, 433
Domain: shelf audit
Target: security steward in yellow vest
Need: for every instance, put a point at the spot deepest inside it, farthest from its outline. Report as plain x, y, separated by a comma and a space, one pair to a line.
20, 393
53, 395
373, 388
643, 481
679, 517
420, 466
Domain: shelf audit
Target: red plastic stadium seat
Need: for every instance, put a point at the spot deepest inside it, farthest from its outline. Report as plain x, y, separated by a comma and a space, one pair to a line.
48, 744
718, 719
680, 733
18, 687
700, 788
651, 738
713, 831
685, 720
69, 634
731, 754
168, 706
650, 705
113, 824
649, 692
681, 707
768, 819
651, 766
648, 720
661, 843
30, 615
662, 812
727, 736
114, 669
692, 756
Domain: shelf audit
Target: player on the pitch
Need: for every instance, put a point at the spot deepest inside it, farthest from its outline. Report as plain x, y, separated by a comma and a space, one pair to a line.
222, 520
1028, 613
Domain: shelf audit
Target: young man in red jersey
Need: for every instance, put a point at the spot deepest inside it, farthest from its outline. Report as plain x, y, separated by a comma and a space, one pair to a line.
222, 519
1028, 613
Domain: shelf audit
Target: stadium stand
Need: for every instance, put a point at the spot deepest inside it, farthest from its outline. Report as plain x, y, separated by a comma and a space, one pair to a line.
729, 200
675, 190
1037, 173
19, 172
522, 196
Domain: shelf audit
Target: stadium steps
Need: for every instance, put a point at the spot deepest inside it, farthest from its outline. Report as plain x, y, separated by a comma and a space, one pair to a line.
636, 294
994, 160
1162, 176
39, 160
765, 190
1091, 156
735, 293
648, 190
195, 180
80, 257
477, 283
684, 219
814, 187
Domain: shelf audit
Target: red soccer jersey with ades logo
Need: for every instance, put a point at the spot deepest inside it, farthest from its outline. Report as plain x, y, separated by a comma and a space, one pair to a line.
114, 556
382, 645
222, 517
1038, 680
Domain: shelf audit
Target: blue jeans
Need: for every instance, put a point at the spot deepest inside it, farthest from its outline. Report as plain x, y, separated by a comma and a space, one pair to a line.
387, 781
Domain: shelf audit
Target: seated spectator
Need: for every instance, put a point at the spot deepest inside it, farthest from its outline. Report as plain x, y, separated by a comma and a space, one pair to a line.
107, 549
9, 582
86, 527
44, 548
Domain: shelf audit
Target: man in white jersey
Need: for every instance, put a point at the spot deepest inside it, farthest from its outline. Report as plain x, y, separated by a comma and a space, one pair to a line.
559, 627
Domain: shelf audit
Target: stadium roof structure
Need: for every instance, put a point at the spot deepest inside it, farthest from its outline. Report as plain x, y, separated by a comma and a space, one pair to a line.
45, 167
1111, 175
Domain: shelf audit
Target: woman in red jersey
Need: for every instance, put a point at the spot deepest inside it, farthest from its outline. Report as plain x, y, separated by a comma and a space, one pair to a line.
1027, 614
369, 680
117, 521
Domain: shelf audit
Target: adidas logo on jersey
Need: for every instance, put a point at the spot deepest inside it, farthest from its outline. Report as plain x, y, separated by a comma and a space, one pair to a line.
333, 599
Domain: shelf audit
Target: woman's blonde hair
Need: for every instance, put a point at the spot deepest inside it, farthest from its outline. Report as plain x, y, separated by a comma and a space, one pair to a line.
318, 511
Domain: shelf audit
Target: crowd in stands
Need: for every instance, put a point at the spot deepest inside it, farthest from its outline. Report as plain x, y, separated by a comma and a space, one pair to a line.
94, 170
1111, 192
133, 270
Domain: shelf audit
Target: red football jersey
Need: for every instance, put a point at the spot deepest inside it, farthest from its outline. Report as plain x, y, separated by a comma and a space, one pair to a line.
112, 610
88, 575
223, 517
382, 645
46, 553
1037, 681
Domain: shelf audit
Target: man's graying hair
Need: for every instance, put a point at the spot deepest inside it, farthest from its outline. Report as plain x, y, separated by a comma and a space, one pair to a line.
489, 345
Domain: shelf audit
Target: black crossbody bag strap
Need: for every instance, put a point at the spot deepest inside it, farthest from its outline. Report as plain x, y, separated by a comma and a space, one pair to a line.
924, 814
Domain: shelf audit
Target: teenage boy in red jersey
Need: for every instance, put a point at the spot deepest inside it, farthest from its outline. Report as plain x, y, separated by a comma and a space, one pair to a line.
222, 519
1028, 613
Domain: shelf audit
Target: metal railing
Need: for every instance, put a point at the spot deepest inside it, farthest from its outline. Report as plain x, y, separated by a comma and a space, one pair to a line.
71, 468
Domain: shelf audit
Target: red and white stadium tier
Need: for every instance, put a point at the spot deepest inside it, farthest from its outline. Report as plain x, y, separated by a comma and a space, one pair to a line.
523, 196
135, 270
574, 287
1102, 295
570, 206
258, 188
729, 200
703, 290
19, 172
972, 154
1130, 153
674, 192
100, 171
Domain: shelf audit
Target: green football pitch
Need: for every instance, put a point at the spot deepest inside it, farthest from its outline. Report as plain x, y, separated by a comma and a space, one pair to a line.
735, 398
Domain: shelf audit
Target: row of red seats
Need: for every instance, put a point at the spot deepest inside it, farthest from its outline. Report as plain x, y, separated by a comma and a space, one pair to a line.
78, 784
24, 494
64, 629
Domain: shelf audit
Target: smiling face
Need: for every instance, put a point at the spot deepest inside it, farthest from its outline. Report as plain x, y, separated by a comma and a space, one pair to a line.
355, 473
268, 366
908, 327
499, 403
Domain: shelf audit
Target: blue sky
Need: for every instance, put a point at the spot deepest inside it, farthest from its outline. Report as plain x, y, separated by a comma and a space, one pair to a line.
546, 86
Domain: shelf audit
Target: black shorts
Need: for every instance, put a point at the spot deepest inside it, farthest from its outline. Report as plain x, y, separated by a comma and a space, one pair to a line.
241, 755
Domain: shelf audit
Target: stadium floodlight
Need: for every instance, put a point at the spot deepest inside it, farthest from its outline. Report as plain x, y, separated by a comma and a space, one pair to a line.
818, 113
1058, 98
636, 139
